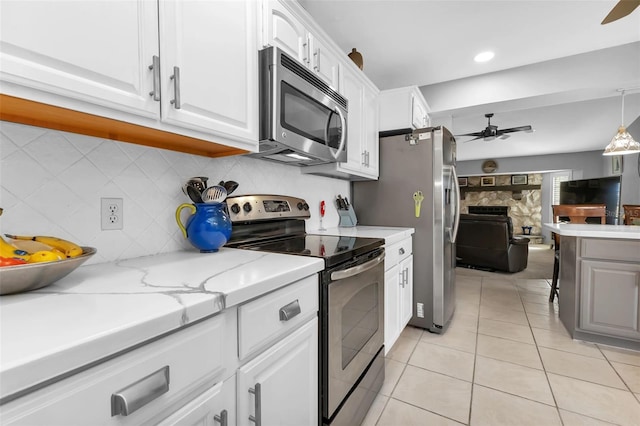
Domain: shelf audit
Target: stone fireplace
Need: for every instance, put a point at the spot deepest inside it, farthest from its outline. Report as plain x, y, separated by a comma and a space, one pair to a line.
523, 201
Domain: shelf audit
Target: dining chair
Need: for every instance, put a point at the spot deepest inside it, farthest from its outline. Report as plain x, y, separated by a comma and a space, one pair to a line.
631, 214
571, 213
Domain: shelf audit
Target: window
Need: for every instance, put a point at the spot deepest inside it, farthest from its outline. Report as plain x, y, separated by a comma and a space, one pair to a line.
556, 178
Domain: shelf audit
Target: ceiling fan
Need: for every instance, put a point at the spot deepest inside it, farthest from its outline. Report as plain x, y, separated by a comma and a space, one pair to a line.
620, 10
491, 132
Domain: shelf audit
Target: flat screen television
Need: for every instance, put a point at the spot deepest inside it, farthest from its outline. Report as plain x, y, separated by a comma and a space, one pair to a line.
594, 191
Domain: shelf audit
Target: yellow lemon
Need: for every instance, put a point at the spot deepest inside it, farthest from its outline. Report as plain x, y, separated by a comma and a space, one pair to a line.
45, 256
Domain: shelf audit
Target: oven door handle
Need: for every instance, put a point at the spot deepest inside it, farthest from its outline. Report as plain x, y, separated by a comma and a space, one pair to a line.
340, 275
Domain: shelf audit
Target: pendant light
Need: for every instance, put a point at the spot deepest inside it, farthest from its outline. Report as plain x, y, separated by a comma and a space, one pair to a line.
622, 143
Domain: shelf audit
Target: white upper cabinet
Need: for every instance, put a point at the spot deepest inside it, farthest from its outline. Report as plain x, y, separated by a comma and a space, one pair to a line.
97, 52
281, 28
209, 66
362, 130
184, 67
403, 108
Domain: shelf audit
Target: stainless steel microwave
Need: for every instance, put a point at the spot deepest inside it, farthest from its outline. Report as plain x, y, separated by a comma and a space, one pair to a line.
303, 121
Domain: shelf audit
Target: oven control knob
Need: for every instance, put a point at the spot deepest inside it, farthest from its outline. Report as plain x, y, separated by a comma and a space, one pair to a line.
303, 206
235, 208
246, 207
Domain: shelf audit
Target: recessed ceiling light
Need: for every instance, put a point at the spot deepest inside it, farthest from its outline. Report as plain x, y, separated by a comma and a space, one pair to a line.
484, 56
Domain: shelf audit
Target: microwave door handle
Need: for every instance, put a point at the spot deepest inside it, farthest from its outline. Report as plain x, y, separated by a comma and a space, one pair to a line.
343, 137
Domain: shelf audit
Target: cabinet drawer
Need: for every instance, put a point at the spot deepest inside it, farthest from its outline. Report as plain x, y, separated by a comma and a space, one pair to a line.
187, 361
397, 252
619, 250
270, 317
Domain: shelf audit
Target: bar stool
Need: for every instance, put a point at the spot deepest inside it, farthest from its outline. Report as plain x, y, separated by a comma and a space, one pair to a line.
571, 213
631, 212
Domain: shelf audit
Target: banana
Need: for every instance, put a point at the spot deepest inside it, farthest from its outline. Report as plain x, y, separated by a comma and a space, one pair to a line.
67, 247
10, 251
46, 256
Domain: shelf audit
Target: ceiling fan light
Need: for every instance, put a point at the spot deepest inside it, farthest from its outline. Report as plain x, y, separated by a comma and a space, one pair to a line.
484, 56
622, 143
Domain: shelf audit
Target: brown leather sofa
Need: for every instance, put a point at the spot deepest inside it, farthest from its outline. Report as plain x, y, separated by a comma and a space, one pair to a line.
487, 242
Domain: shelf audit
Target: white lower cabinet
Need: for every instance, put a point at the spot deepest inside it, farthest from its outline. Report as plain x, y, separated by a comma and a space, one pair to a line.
216, 406
144, 386
398, 290
199, 375
280, 386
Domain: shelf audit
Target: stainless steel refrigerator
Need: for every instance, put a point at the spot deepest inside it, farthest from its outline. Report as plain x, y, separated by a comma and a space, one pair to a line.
414, 165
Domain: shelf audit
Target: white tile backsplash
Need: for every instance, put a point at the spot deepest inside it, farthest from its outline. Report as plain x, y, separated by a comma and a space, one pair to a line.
51, 184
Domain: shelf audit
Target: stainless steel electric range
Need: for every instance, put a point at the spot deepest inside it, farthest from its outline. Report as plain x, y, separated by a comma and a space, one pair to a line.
351, 291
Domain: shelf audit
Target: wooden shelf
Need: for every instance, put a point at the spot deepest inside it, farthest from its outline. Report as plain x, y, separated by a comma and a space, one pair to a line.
512, 188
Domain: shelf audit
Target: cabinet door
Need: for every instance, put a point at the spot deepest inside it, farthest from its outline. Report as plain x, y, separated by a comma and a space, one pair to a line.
287, 375
370, 133
324, 63
209, 66
610, 298
418, 113
210, 408
353, 90
406, 290
283, 30
97, 52
391, 305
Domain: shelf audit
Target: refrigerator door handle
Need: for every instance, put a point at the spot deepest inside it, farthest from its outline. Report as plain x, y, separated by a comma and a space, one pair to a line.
456, 200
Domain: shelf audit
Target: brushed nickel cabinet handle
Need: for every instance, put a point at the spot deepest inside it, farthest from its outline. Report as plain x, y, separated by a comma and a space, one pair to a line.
256, 418
140, 393
222, 418
316, 67
290, 310
155, 67
176, 86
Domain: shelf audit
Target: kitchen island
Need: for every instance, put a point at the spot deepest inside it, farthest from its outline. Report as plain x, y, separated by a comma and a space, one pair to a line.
599, 282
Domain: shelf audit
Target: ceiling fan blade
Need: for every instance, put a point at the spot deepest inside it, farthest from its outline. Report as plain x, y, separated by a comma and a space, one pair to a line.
620, 10
476, 138
470, 134
517, 129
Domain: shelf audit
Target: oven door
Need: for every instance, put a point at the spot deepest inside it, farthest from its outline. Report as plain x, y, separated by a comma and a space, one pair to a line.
354, 330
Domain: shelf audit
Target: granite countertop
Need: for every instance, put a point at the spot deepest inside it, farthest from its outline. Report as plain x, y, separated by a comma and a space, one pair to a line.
102, 309
627, 232
391, 234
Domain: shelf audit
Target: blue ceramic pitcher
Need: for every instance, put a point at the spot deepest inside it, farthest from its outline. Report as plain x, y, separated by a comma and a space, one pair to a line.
208, 227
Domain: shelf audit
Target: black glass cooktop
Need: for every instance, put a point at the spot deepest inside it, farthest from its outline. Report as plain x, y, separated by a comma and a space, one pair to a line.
333, 249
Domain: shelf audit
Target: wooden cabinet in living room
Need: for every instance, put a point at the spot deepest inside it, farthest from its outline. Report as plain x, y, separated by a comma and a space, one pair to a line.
153, 65
403, 108
398, 290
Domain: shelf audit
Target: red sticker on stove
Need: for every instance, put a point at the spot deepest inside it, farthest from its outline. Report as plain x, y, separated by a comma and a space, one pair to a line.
322, 208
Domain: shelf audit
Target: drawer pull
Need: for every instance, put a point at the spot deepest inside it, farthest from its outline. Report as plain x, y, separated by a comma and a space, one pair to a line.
289, 311
257, 418
222, 418
401, 251
140, 393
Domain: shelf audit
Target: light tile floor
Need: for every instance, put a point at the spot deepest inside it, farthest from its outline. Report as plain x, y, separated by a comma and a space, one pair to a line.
506, 360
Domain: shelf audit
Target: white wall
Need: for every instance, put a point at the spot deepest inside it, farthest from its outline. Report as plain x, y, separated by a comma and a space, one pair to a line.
51, 184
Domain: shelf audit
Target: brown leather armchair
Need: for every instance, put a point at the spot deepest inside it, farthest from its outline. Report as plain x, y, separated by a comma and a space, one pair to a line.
487, 242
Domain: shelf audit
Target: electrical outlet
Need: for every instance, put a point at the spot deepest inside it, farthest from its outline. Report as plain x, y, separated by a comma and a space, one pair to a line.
111, 213
420, 310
